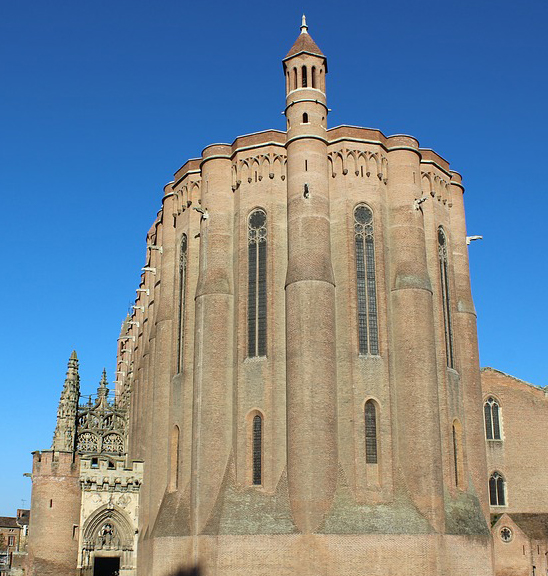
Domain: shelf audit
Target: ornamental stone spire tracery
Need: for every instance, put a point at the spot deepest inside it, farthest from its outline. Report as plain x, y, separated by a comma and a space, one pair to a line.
64, 438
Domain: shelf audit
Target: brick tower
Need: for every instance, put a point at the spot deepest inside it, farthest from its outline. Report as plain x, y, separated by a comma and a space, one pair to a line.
56, 493
309, 291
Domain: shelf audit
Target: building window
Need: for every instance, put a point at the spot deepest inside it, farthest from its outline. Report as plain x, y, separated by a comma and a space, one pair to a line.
257, 450
491, 410
446, 302
305, 118
305, 79
256, 307
506, 534
11, 540
458, 456
497, 489
365, 275
174, 459
371, 443
182, 296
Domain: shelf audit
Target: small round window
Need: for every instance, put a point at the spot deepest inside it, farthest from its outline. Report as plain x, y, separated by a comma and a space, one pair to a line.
506, 534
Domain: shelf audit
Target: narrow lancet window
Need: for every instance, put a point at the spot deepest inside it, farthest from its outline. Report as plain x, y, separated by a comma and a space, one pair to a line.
256, 302
174, 459
371, 443
182, 296
491, 410
305, 79
366, 284
497, 490
313, 75
446, 302
305, 118
458, 457
257, 450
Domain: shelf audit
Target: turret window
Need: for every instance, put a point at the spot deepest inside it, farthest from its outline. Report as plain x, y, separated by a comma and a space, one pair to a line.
368, 336
371, 444
295, 83
446, 301
304, 76
305, 118
497, 490
313, 77
491, 410
257, 450
256, 300
182, 297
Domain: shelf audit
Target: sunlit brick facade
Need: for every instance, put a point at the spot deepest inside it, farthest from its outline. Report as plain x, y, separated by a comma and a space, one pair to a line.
300, 369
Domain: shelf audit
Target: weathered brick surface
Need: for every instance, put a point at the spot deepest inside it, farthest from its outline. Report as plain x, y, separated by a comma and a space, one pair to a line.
55, 510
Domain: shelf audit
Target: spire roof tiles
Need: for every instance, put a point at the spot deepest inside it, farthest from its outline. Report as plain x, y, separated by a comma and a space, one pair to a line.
304, 43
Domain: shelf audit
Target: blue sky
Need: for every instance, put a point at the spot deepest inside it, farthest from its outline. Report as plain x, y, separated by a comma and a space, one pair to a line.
101, 102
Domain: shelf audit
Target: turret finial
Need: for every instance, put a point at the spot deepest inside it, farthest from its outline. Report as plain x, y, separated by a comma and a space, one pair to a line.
103, 385
304, 27
64, 436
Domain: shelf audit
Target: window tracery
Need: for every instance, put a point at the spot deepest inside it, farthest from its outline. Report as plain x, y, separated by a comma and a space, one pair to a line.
87, 442
491, 410
113, 443
497, 490
368, 336
256, 307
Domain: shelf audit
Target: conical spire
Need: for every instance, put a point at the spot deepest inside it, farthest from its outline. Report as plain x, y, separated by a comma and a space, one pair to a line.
304, 43
102, 391
64, 437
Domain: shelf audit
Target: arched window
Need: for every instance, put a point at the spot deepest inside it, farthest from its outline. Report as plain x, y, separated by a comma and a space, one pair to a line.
257, 450
182, 296
497, 490
371, 442
446, 302
305, 79
295, 84
174, 459
491, 410
313, 77
305, 118
256, 301
365, 275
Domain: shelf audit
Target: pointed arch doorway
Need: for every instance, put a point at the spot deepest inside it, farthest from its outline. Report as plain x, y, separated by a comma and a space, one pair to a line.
108, 543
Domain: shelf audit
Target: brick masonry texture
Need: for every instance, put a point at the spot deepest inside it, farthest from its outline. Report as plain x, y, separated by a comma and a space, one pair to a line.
321, 503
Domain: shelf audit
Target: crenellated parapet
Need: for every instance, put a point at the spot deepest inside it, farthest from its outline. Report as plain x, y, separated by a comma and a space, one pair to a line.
54, 463
103, 474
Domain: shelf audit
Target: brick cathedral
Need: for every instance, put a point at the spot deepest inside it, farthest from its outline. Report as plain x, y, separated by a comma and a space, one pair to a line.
298, 389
